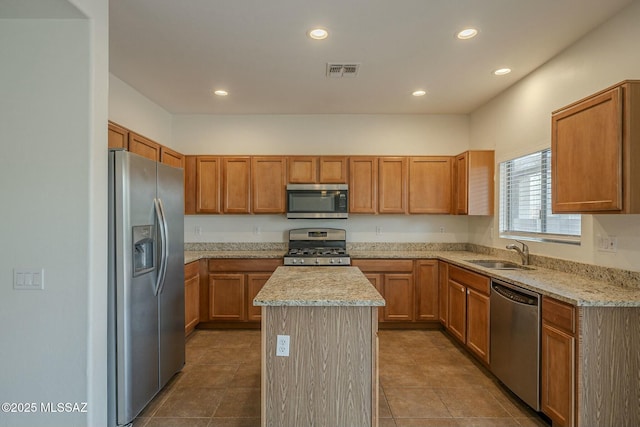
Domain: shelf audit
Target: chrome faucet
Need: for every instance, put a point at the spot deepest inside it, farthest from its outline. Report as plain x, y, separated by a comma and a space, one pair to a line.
524, 252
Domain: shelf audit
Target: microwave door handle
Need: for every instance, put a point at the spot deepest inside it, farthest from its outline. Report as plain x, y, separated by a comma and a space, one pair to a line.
164, 249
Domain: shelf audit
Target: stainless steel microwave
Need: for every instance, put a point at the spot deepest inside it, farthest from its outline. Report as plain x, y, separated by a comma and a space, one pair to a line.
317, 201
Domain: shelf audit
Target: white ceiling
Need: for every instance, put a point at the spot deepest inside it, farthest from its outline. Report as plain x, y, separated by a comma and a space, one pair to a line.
176, 52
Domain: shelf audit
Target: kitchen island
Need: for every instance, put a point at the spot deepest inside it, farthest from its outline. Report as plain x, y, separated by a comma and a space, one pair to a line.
326, 374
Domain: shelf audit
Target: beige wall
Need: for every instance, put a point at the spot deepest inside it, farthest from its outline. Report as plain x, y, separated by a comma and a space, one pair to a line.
518, 122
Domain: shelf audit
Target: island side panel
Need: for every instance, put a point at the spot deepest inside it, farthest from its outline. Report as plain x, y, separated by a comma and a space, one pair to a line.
609, 366
328, 377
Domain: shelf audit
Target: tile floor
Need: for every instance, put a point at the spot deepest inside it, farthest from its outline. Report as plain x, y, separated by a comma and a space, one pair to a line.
425, 380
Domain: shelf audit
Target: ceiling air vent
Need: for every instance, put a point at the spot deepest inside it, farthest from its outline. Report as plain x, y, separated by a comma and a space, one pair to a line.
342, 70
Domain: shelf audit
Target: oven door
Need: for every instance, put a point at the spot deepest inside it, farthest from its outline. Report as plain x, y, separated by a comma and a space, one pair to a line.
317, 201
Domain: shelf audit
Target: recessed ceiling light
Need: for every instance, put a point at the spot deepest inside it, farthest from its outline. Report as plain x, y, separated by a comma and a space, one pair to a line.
419, 93
221, 92
502, 71
318, 34
467, 33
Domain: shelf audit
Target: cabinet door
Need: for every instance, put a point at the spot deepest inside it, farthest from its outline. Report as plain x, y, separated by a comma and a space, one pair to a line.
255, 282
143, 146
118, 136
333, 170
376, 281
392, 185
478, 324
430, 185
190, 184
457, 310
227, 297
208, 184
268, 182
171, 158
557, 362
398, 293
586, 153
236, 188
443, 294
191, 296
461, 179
363, 185
427, 290
303, 170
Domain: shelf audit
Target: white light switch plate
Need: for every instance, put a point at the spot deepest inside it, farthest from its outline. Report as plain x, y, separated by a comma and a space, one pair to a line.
28, 279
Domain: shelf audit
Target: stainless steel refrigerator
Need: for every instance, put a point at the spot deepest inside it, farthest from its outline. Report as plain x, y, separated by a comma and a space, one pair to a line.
146, 282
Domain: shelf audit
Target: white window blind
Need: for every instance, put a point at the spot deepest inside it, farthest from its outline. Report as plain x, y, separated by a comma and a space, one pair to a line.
525, 201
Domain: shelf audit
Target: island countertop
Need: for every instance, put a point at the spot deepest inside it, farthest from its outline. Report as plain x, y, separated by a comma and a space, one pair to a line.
318, 286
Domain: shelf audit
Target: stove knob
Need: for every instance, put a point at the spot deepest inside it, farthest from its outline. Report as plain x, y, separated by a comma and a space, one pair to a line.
339, 260
317, 260
332, 261
301, 260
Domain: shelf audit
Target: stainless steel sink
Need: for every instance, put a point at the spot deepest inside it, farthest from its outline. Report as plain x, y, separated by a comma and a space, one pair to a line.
498, 264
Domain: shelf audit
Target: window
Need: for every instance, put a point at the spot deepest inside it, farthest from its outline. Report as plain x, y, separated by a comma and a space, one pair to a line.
525, 202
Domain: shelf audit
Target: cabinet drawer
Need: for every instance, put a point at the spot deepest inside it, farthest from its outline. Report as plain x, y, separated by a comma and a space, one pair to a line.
470, 279
559, 314
383, 265
191, 269
244, 264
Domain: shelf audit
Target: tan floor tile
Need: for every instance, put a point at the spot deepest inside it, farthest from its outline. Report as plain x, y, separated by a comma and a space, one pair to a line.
191, 402
247, 375
532, 422
383, 406
235, 422
426, 422
471, 402
239, 402
178, 422
387, 422
218, 376
401, 376
415, 403
222, 356
487, 422
140, 422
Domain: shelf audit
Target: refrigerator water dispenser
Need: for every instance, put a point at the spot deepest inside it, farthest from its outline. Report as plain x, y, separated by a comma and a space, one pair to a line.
143, 245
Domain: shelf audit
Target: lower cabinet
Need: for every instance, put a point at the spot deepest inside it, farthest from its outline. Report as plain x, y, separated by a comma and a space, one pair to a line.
409, 287
231, 287
468, 309
191, 296
558, 361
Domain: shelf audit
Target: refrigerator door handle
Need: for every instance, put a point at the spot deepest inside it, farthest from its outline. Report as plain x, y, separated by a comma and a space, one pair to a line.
164, 246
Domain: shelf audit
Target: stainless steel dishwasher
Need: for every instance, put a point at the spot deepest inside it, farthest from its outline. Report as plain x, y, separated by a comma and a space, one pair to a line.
515, 340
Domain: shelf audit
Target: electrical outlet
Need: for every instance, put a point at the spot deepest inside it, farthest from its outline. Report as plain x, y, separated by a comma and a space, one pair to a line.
442, 229
282, 345
607, 243
198, 230
378, 231
257, 230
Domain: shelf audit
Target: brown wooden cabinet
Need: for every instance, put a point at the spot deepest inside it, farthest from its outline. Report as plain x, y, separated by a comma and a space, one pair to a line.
392, 185
595, 145
427, 289
236, 185
430, 185
474, 183
208, 184
558, 361
468, 310
144, 146
443, 297
268, 182
191, 296
171, 158
317, 169
233, 283
118, 136
363, 185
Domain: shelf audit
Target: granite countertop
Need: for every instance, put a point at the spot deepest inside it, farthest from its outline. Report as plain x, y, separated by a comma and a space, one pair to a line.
565, 281
318, 286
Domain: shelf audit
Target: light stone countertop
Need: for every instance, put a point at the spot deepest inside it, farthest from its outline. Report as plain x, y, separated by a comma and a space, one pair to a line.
318, 286
566, 284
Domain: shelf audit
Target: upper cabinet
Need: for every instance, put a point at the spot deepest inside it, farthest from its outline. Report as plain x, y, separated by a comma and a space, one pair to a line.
363, 185
392, 185
118, 136
143, 146
317, 169
268, 184
430, 185
236, 185
595, 150
474, 183
171, 158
